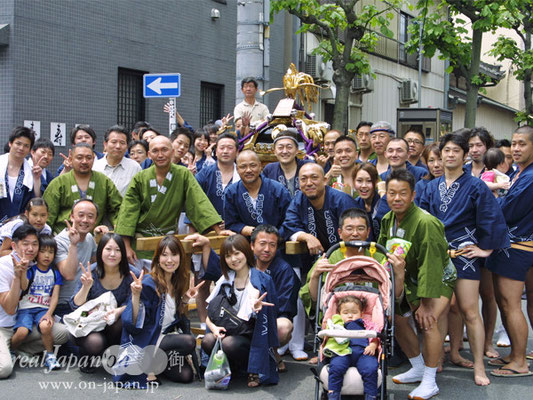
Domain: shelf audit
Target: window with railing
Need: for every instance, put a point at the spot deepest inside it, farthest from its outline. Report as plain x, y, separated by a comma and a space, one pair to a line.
130, 100
211, 95
394, 49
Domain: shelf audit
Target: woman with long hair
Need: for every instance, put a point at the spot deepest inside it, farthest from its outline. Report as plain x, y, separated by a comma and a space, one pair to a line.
155, 313
111, 272
247, 288
366, 180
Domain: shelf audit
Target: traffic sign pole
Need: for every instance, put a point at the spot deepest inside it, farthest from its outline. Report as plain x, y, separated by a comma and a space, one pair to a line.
172, 115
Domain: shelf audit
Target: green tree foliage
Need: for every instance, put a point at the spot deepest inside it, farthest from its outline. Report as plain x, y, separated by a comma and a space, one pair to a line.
347, 32
455, 28
520, 54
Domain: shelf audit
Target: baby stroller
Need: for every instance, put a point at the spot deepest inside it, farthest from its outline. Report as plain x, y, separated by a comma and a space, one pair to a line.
359, 276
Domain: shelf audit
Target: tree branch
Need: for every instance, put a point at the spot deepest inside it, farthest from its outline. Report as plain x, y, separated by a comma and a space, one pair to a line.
375, 15
465, 8
313, 20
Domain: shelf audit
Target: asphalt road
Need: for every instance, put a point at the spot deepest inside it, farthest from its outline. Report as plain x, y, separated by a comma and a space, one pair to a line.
455, 384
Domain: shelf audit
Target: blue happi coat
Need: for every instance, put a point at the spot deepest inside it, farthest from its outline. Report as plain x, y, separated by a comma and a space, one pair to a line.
10, 207
300, 216
273, 171
210, 179
378, 209
417, 172
287, 285
148, 327
239, 211
517, 206
470, 214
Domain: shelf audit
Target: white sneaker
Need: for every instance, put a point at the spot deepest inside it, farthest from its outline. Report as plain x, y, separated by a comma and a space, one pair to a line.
503, 339
424, 393
411, 376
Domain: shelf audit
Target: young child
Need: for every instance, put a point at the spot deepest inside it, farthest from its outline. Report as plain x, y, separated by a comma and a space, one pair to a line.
40, 286
36, 214
359, 353
495, 177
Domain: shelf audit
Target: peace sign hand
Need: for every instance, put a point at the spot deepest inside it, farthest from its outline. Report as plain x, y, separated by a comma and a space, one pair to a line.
67, 161
193, 292
73, 234
19, 267
226, 120
259, 303
86, 277
37, 170
136, 286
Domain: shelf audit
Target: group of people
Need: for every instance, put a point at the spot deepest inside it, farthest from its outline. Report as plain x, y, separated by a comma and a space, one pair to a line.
69, 238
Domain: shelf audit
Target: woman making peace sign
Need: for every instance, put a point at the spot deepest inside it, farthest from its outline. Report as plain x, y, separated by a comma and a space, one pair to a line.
111, 272
251, 294
153, 313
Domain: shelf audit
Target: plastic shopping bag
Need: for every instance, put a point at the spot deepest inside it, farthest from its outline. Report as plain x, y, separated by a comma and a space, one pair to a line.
90, 317
218, 373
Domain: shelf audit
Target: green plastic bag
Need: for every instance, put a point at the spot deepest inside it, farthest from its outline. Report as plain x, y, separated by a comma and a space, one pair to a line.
218, 373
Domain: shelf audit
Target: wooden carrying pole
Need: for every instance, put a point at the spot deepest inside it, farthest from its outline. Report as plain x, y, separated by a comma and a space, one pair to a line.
150, 243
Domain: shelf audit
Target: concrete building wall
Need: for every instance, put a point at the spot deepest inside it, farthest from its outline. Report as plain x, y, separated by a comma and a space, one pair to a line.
7, 79
500, 123
381, 104
63, 58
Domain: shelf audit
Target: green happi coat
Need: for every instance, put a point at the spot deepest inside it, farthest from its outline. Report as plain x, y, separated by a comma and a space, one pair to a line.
429, 273
63, 192
151, 211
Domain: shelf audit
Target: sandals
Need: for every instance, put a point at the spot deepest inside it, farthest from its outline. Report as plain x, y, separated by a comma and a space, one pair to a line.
253, 380
280, 363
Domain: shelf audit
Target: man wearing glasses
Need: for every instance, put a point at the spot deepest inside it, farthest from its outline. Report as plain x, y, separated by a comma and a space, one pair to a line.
416, 141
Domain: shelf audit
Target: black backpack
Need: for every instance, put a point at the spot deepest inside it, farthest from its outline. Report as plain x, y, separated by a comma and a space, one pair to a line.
221, 312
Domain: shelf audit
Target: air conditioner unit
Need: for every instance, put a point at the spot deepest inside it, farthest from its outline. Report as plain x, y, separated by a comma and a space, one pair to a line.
319, 70
408, 92
363, 83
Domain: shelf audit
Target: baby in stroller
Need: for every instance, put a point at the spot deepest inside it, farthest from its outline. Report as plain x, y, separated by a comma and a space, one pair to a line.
356, 352
357, 295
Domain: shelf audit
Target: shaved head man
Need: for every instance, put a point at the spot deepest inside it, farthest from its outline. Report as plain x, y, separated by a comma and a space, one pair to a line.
156, 197
255, 199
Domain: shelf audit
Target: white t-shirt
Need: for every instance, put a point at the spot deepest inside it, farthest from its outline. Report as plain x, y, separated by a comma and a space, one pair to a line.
40, 292
86, 250
170, 312
12, 183
6, 278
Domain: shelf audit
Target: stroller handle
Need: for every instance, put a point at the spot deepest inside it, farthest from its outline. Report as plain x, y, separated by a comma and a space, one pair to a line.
356, 243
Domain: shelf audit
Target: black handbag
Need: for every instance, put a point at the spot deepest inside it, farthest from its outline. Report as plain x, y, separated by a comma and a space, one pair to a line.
221, 311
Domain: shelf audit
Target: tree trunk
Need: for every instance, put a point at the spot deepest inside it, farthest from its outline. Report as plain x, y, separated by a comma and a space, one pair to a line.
342, 97
473, 89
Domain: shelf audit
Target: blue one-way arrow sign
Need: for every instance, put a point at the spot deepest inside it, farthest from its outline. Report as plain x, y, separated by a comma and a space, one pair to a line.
162, 85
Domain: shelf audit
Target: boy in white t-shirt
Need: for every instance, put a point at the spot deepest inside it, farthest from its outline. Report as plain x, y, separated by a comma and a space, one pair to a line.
40, 285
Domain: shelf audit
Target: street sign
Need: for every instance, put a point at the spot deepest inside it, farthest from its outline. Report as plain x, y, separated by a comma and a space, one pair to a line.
161, 85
